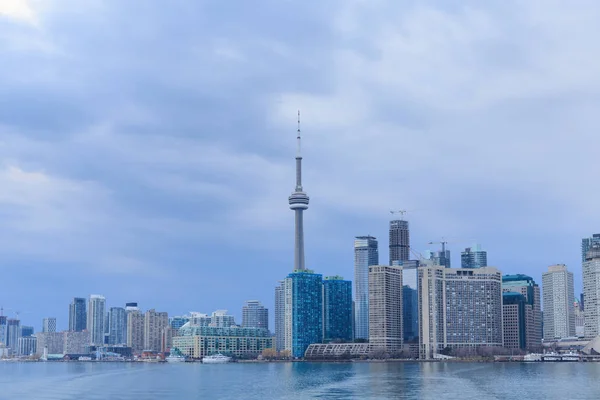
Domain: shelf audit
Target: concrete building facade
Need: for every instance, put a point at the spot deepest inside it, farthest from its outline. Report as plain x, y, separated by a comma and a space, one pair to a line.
559, 296
385, 308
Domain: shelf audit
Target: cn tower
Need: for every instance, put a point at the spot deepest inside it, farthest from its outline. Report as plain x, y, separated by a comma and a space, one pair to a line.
299, 202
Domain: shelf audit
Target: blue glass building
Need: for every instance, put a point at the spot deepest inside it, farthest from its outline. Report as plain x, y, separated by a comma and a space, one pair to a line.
473, 257
304, 310
366, 253
337, 309
514, 320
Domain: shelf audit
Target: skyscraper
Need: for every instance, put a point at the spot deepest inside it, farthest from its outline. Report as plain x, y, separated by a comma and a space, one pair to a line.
526, 286
154, 324
135, 328
220, 319
303, 311
337, 309
366, 253
255, 315
117, 326
559, 296
3, 330
441, 258
77, 315
513, 320
95, 320
473, 257
587, 243
399, 241
299, 202
49, 325
13, 333
459, 308
591, 288
385, 308
280, 316
410, 301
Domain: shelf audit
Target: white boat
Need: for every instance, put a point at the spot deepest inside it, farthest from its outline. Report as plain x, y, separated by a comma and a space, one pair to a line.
175, 356
216, 359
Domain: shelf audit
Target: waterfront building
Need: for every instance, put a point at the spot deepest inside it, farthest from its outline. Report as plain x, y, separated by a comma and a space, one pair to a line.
76, 342
255, 315
559, 296
49, 324
586, 245
26, 331
178, 322
117, 326
303, 311
200, 319
77, 315
530, 290
135, 329
3, 330
166, 340
50, 343
280, 316
95, 319
337, 309
13, 333
385, 308
366, 253
579, 319
459, 308
473, 257
200, 341
410, 301
220, 319
26, 346
513, 320
591, 290
154, 323
399, 242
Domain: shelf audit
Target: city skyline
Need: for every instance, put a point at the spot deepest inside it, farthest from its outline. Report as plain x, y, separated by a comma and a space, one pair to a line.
154, 171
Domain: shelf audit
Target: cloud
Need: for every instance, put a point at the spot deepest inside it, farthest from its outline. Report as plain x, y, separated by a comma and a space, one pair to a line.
19, 10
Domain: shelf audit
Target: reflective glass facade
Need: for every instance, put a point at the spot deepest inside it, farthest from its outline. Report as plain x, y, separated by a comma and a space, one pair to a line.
337, 309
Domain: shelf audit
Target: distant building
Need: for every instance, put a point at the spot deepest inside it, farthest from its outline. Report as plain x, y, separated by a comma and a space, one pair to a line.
513, 320
3, 330
473, 257
530, 290
27, 346
399, 241
303, 311
50, 342
167, 336
440, 258
280, 316
13, 333
366, 253
385, 308
135, 329
337, 309
579, 319
26, 331
199, 319
559, 296
410, 301
178, 322
154, 323
591, 290
95, 319
201, 341
587, 243
49, 325
459, 308
117, 326
255, 315
76, 342
77, 315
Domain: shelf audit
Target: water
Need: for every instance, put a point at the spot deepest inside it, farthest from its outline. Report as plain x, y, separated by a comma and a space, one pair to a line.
437, 381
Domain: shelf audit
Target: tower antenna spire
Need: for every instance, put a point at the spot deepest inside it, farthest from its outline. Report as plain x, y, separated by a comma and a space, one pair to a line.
298, 154
299, 203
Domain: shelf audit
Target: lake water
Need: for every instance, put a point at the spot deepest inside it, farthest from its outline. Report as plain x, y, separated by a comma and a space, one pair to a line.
300, 381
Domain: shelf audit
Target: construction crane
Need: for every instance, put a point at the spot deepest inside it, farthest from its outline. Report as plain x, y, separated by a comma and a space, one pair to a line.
443, 242
401, 212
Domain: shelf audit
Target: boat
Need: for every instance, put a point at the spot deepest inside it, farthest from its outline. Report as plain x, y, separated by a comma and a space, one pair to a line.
175, 356
216, 359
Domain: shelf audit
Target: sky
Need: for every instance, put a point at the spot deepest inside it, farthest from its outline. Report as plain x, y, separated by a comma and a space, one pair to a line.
147, 148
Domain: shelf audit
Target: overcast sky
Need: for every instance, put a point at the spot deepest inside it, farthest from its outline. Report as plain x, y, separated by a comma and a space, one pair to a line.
147, 147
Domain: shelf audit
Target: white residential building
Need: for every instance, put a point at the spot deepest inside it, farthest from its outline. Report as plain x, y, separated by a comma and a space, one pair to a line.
558, 294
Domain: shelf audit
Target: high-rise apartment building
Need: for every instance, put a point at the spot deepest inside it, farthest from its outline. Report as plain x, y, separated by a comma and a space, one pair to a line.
303, 311
410, 301
178, 322
513, 320
280, 316
473, 257
399, 241
337, 309
95, 319
255, 315
591, 290
3, 330
366, 253
459, 308
26, 345
154, 323
526, 286
135, 329
117, 326
76, 342
385, 308
13, 333
587, 243
77, 315
559, 296
220, 319
49, 324
440, 258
